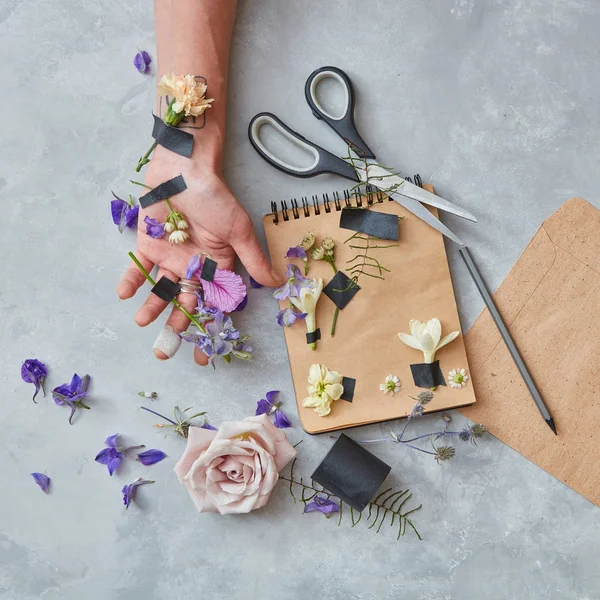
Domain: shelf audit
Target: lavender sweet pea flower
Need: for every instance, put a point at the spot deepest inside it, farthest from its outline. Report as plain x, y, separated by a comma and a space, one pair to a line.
34, 371
141, 61
72, 394
297, 252
155, 229
295, 282
130, 490
151, 457
123, 213
288, 316
42, 480
113, 454
323, 505
194, 266
270, 407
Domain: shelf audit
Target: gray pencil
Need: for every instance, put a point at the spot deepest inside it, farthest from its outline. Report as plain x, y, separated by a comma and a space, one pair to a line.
510, 344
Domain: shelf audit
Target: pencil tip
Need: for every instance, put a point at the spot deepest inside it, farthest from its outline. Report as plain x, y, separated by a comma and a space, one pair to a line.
551, 424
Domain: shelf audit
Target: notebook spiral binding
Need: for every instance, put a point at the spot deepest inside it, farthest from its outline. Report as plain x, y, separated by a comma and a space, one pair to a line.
373, 195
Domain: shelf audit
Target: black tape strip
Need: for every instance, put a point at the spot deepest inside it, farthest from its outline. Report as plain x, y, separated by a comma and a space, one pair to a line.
379, 225
427, 375
341, 289
208, 269
351, 472
166, 289
164, 190
348, 383
173, 139
313, 336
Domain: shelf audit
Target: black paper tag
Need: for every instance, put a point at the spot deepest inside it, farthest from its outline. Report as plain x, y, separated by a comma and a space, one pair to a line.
427, 375
166, 289
164, 190
173, 139
351, 472
209, 266
348, 383
379, 225
341, 289
313, 336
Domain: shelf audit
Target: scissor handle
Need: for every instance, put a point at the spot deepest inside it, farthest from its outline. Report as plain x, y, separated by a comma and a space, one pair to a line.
343, 125
323, 161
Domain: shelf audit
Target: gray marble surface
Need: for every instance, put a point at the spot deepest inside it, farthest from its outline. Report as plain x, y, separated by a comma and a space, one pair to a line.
493, 101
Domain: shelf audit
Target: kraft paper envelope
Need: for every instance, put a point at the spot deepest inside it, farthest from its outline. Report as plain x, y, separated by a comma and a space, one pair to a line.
550, 301
366, 346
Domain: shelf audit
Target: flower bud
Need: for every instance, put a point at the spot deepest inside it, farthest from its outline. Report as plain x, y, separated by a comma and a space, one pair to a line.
328, 243
182, 224
178, 237
308, 241
169, 227
317, 253
329, 253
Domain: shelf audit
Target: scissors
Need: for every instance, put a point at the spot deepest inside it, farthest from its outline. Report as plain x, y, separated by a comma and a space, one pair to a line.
407, 194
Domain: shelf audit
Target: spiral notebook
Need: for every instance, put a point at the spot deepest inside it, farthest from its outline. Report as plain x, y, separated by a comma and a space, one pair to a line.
366, 347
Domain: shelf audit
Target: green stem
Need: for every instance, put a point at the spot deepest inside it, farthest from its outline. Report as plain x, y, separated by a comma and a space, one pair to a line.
334, 322
144, 160
175, 302
140, 183
169, 204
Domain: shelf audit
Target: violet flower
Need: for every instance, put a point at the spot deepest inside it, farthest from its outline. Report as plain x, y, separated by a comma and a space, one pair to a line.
113, 454
270, 408
34, 371
324, 505
288, 316
296, 252
151, 457
42, 480
194, 266
130, 490
295, 282
141, 61
72, 394
155, 229
124, 214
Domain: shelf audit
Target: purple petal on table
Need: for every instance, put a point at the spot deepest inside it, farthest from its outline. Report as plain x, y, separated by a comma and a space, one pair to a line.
263, 407
272, 396
194, 266
288, 316
131, 216
141, 61
130, 489
34, 371
253, 283
118, 206
296, 252
155, 229
281, 420
151, 457
110, 457
323, 505
42, 480
112, 441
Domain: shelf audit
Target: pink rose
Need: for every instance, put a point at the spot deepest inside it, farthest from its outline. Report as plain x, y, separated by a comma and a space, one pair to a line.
234, 469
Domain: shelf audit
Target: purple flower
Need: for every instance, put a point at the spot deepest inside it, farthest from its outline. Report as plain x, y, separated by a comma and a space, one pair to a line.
295, 282
130, 490
113, 454
151, 457
72, 394
242, 305
288, 316
155, 229
34, 371
42, 480
221, 339
141, 61
297, 252
270, 408
207, 425
124, 214
253, 283
323, 505
194, 266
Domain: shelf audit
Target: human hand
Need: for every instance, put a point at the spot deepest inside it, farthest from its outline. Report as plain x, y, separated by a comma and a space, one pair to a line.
218, 226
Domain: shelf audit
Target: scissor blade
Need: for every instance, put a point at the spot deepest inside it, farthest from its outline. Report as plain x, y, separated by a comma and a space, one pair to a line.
417, 209
378, 175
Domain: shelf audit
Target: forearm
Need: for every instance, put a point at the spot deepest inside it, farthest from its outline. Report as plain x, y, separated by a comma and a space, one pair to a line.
194, 36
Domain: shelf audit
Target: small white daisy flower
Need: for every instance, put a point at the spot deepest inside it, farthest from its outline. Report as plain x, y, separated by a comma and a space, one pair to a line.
458, 378
391, 385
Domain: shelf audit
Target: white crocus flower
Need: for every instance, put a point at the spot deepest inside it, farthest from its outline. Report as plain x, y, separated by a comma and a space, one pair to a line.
427, 337
306, 302
324, 387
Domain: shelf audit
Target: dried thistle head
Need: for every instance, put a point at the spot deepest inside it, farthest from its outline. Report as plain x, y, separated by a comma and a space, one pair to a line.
443, 453
478, 430
425, 397
417, 411
447, 418
465, 435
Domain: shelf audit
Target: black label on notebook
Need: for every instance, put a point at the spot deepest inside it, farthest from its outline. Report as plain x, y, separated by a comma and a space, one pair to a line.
341, 289
427, 375
378, 225
348, 383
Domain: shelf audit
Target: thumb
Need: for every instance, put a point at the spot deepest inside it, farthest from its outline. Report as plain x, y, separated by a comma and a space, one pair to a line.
250, 253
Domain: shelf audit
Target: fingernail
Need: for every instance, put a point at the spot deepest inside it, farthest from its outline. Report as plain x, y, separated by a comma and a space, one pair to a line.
167, 341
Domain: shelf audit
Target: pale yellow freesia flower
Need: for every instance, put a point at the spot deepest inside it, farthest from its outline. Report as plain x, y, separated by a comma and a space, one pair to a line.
427, 337
306, 302
324, 387
188, 93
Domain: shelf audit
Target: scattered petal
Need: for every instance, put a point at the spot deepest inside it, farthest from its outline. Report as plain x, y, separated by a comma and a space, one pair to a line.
42, 480
151, 457
288, 316
130, 490
194, 267
296, 252
323, 505
280, 419
34, 371
141, 61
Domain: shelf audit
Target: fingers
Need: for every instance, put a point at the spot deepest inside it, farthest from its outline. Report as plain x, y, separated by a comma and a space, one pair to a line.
200, 358
153, 305
168, 341
133, 278
246, 246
